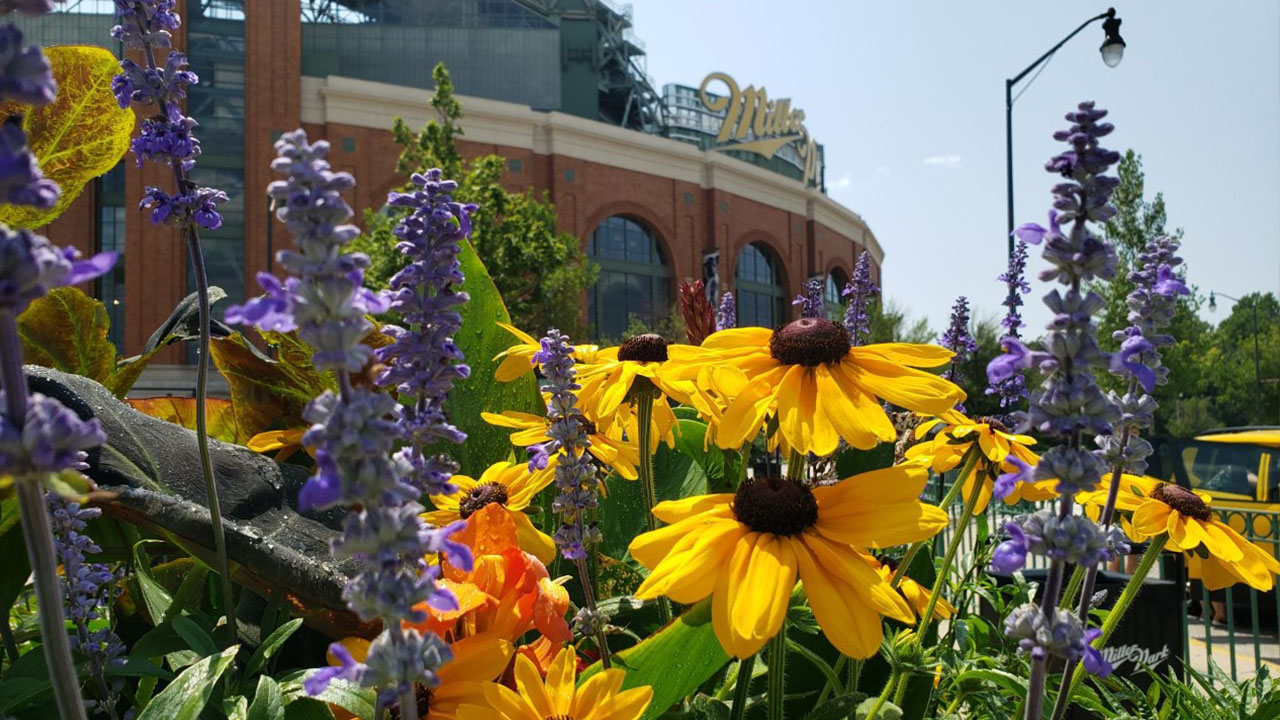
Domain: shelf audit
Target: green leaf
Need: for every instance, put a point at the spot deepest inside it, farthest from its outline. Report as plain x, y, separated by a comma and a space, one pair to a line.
155, 597
888, 711
185, 697
674, 661
480, 339
345, 694
720, 466
236, 707
268, 701
181, 325
271, 646
304, 708
82, 134
196, 637
264, 393
67, 330
158, 641
622, 513
130, 666
837, 708
13, 548
852, 461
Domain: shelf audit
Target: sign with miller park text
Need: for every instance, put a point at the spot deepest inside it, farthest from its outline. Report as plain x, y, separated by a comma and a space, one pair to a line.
753, 123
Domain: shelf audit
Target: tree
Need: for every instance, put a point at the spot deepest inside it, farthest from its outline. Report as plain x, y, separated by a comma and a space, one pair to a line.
540, 271
1229, 370
1138, 221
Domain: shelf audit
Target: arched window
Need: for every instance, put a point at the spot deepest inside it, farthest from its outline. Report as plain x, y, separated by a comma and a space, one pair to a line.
634, 279
832, 302
760, 294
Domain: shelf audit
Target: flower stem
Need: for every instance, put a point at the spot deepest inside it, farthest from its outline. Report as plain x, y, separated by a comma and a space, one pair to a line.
39, 536
941, 580
775, 695
589, 594
742, 688
1118, 611
1073, 587
222, 564
644, 435
884, 694
970, 459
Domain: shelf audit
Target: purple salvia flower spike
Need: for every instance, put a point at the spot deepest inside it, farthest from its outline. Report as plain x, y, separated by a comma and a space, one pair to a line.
810, 301
860, 291
727, 313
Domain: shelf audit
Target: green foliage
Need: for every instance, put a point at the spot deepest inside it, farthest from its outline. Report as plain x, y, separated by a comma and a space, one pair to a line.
82, 134
186, 696
889, 323
1214, 696
540, 271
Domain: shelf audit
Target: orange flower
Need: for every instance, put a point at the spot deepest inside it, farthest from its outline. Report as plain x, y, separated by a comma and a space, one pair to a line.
508, 593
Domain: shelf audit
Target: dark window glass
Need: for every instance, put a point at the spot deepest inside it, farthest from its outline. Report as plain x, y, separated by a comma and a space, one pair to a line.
633, 278
832, 302
760, 293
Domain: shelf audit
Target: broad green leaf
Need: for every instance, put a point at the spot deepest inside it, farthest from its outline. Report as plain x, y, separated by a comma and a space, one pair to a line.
131, 666
268, 701
345, 694
82, 134
622, 513
182, 411
195, 636
67, 330
853, 461
888, 711
271, 646
720, 466
675, 661
236, 708
480, 339
304, 708
185, 697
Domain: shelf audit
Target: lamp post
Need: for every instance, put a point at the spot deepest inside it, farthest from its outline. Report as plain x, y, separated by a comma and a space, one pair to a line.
1112, 52
1257, 361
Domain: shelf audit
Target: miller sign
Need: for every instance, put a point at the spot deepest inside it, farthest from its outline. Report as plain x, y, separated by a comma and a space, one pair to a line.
770, 123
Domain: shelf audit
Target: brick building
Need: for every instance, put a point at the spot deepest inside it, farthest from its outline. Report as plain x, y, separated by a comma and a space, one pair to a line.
554, 86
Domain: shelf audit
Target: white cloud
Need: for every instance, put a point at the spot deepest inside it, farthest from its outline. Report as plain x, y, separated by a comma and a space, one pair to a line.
882, 170
843, 182
948, 160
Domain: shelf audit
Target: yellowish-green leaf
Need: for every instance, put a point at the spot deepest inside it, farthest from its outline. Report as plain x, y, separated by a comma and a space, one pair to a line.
264, 394
182, 411
82, 134
67, 330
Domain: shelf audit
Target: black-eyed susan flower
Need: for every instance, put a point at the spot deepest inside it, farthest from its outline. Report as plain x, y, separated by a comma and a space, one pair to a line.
610, 446
1216, 553
1003, 452
818, 387
600, 697
916, 595
517, 360
746, 550
509, 485
609, 383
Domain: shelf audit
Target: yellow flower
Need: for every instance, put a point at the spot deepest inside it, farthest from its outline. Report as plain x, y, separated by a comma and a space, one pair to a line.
818, 387
609, 447
517, 360
1001, 449
508, 484
916, 595
747, 549
477, 661
607, 384
600, 697
1215, 552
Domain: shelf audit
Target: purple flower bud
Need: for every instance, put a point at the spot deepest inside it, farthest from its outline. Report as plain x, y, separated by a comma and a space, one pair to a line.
1092, 657
25, 75
810, 301
1008, 482
727, 313
860, 291
21, 182
1010, 555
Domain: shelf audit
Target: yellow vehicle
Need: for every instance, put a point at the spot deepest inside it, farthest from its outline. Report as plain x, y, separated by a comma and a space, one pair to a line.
1239, 468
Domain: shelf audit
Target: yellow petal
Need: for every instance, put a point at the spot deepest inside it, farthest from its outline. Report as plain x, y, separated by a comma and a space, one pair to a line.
1151, 518
689, 572
532, 540
478, 657
759, 602
852, 627
910, 354
672, 511
529, 683
560, 681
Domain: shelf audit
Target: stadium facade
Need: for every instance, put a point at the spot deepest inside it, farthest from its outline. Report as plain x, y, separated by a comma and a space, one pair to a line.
717, 180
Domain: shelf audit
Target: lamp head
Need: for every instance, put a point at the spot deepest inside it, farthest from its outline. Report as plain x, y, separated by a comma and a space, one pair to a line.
1213, 302
1112, 45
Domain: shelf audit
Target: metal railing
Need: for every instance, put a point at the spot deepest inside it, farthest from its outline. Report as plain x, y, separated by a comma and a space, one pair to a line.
1244, 638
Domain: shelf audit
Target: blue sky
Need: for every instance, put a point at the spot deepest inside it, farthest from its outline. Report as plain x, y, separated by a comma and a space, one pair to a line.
908, 99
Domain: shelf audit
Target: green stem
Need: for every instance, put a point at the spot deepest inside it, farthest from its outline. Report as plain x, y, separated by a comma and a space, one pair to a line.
855, 676
589, 594
955, 704
970, 459
775, 695
831, 686
953, 547
795, 466
1073, 587
645, 392
884, 695
901, 692
742, 688
1122, 604
832, 675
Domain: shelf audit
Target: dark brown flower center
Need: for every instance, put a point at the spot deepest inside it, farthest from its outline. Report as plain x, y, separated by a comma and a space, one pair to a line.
559, 717
1183, 500
649, 347
588, 427
809, 342
775, 505
481, 496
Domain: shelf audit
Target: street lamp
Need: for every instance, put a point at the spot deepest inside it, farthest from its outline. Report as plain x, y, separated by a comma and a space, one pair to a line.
1112, 52
1257, 362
